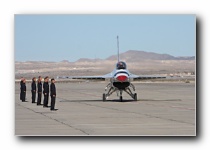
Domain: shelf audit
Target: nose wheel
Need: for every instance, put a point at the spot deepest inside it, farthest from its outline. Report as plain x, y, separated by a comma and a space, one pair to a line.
121, 95
135, 96
121, 98
104, 97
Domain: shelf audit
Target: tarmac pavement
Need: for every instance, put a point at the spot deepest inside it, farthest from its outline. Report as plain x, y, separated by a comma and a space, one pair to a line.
162, 109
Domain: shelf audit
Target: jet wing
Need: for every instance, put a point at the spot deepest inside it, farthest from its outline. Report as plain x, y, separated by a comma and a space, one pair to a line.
139, 77
110, 75
103, 77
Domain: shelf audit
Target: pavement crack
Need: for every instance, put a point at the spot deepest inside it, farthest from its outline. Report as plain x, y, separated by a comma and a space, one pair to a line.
152, 116
44, 114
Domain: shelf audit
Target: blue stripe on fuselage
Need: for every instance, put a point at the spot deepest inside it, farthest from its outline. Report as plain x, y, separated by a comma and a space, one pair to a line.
121, 72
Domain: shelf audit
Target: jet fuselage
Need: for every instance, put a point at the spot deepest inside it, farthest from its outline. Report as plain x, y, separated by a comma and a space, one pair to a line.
121, 76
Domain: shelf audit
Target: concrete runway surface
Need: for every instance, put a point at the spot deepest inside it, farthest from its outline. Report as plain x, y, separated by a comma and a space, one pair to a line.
162, 109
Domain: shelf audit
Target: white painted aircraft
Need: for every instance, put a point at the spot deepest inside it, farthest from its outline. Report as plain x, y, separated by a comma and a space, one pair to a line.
120, 80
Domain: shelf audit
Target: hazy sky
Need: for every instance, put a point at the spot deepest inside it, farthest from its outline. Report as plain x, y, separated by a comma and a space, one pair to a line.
70, 37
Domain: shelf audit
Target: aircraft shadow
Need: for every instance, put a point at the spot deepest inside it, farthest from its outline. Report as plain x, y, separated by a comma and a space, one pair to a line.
124, 100
113, 100
157, 100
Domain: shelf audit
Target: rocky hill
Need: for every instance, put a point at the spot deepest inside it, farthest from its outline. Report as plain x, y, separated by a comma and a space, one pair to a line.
138, 62
135, 56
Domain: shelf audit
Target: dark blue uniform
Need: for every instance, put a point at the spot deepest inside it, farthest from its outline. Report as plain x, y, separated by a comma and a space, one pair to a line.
33, 91
20, 89
23, 92
46, 93
39, 91
53, 95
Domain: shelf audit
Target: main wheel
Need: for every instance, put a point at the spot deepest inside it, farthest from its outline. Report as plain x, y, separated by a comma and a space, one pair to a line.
135, 96
121, 98
104, 97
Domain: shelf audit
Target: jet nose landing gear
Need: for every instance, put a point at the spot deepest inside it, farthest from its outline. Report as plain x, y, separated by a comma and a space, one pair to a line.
121, 96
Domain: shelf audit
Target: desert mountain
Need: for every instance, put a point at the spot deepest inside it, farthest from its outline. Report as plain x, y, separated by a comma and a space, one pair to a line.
139, 62
134, 55
128, 56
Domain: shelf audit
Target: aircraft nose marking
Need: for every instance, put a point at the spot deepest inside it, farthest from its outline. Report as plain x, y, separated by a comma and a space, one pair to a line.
121, 78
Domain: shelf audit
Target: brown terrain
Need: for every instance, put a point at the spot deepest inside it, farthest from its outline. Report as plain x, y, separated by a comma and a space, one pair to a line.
138, 62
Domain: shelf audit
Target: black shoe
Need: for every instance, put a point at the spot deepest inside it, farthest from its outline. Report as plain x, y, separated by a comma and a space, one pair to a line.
45, 106
53, 109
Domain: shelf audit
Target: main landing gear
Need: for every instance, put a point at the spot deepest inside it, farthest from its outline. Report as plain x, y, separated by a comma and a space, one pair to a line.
111, 89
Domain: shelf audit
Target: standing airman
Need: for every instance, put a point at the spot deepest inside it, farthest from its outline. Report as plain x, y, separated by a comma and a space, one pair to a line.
52, 94
46, 91
23, 90
39, 90
33, 89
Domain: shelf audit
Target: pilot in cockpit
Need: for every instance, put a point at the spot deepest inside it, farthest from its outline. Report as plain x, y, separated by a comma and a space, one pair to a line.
121, 65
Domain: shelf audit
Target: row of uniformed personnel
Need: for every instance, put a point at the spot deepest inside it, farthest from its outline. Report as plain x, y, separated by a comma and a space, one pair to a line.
38, 88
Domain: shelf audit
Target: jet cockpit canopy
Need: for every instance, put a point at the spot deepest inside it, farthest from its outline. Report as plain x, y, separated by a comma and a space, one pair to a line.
121, 65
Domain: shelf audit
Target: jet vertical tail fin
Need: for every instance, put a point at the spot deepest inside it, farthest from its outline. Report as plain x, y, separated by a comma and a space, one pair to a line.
118, 52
